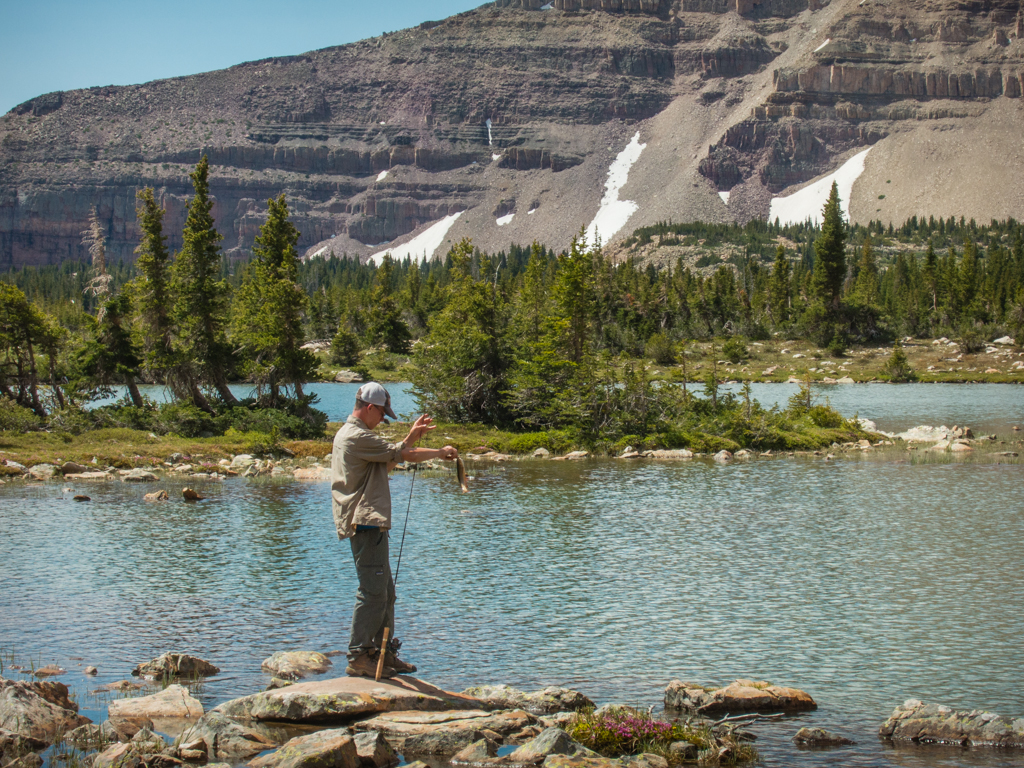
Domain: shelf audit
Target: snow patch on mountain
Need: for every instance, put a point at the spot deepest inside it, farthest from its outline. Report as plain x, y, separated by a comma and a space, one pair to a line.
809, 201
421, 247
614, 213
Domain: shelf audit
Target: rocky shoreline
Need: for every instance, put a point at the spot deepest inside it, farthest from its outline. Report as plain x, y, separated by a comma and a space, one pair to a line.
346, 722
941, 440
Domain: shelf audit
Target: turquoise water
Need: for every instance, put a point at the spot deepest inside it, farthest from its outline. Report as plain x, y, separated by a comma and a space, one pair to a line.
864, 582
984, 407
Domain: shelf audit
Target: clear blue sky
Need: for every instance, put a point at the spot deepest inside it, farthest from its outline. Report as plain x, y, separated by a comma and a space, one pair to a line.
60, 45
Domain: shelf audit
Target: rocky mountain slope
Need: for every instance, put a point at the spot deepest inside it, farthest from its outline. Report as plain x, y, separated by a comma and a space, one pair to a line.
511, 115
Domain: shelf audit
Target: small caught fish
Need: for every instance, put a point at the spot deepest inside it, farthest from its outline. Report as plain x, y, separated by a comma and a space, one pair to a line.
460, 470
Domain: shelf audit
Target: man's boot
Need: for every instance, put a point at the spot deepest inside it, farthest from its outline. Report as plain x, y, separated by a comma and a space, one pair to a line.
365, 665
402, 667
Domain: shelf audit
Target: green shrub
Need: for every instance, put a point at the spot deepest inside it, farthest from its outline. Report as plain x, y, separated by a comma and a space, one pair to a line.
823, 416
70, 420
970, 340
661, 349
556, 441
345, 348
837, 347
186, 420
264, 445
15, 418
897, 368
735, 350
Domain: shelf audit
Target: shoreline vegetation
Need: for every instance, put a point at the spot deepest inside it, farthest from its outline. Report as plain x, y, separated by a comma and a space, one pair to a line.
588, 349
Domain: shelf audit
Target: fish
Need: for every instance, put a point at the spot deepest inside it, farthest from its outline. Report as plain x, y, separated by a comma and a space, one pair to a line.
460, 471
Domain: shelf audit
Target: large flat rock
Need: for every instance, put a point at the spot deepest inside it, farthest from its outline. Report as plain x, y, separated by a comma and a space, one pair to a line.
343, 699
445, 733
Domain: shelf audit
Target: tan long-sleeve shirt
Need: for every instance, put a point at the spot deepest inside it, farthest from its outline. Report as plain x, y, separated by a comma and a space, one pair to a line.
360, 494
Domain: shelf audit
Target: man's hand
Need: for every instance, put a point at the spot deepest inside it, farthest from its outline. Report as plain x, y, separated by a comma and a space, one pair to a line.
449, 453
420, 427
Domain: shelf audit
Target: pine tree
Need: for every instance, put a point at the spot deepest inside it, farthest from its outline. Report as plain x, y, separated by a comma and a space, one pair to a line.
384, 324
931, 274
110, 357
462, 363
778, 287
200, 302
151, 289
267, 314
830, 252
866, 287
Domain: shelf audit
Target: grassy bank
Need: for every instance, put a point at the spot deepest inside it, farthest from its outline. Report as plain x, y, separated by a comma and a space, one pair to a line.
777, 361
130, 448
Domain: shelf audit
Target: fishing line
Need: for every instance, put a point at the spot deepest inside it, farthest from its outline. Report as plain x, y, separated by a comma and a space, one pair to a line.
406, 525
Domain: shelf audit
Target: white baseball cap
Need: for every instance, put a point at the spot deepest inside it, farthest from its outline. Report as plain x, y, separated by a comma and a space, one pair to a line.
375, 394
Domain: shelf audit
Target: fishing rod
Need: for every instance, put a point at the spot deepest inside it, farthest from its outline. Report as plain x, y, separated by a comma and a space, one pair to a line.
398, 568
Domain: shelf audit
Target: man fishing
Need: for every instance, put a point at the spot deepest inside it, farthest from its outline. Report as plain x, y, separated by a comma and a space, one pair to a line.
361, 502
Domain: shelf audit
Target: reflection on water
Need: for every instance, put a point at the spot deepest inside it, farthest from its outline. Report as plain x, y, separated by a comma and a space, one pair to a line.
863, 582
895, 407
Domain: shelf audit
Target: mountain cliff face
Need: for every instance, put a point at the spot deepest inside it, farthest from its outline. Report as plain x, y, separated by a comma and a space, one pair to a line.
512, 114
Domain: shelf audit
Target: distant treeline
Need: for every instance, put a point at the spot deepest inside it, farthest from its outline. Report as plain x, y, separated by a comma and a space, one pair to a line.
506, 337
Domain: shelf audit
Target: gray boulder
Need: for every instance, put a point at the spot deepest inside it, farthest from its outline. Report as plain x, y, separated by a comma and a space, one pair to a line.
333, 748
226, 738
551, 741
139, 476
374, 751
739, 696
478, 753
543, 702
294, 665
819, 737
40, 711
171, 665
172, 701
42, 471
923, 723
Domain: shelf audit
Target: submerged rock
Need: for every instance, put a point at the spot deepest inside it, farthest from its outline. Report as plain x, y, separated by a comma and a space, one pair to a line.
740, 696
323, 749
723, 455
224, 737
40, 711
30, 760
819, 737
173, 701
12, 744
294, 665
175, 665
923, 723
477, 753
543, 702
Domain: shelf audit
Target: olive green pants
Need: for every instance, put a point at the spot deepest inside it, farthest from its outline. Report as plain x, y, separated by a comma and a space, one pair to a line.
375, 597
